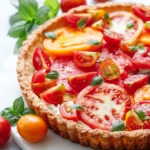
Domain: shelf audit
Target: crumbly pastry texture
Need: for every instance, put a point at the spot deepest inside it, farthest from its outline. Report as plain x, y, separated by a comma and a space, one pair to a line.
96, 138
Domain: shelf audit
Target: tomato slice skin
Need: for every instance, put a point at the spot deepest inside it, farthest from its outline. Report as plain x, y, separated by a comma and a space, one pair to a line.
97, 99
67, 112
79, 82
142, 12
85, 59
54, 95
134, 82
41, 60
109, 70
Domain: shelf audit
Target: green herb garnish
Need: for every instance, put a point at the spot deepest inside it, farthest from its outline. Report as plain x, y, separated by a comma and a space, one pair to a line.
119, 125
133, 48
97, 80
81, 23
142, 115
106, 17
93, 42
52, 75
50, 35
77, 107
140, 48
14, 113
130, 25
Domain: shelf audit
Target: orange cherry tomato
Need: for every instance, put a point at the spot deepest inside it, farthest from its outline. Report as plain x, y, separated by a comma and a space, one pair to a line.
72, 40
145, 38
32, 128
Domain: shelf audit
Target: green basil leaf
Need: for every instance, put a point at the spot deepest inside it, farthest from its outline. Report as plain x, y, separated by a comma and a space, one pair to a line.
81, 23
140, 48
42, 15
141, 114
6, 111
18, 105
19, 44
77, 107
52, 75
133, 48
28, 111
13, 120
28, 9
50, 35
14, 18
28, 27
97, 80
53, 6
93, 42
118, 126
17, 29
106, 17
130, 25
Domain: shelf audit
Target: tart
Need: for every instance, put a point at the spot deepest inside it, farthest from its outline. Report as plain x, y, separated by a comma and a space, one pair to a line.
86, 74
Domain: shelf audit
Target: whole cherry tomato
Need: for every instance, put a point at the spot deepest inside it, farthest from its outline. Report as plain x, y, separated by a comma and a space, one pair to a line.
32, 128
5, 131
68, 4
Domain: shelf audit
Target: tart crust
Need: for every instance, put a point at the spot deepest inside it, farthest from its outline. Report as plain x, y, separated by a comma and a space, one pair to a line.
96, 138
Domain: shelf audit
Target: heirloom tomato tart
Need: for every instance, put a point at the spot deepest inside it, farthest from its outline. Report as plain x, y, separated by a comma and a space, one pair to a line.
86, 73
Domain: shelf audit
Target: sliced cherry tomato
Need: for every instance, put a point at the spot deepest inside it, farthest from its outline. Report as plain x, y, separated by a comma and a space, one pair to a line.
127, 24
73, 19
79, 82
142, 60
54, 95
142, 12
72, 40
144, 38
39, 83
134, 82
5, 131
109, 70
103, 105
112, 37
41, 60
133, 122
100, 24
142, 93
67, 112
85, 59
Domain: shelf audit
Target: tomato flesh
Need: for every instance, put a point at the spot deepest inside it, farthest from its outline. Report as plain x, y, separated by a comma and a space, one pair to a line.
97, 99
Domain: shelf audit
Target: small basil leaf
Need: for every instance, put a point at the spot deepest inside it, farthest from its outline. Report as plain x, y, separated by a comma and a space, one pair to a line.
93, 42
97, 80
133, 48
130, 25
81, 23
50, 35
17, 29
19, 44
28, 9
27, 111
77, 107
29, 26
18, 105
106, 17
52, 75
140, 48
42, 15
53, 6
118, 126
141, 114
14, 18
13, 120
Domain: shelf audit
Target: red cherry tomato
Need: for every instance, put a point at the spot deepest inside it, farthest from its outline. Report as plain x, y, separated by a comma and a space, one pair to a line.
68, 4
5, 131
67, 112
54, 95
79, 82
112, 37
134, 82
103, 105
142, 12
41, 60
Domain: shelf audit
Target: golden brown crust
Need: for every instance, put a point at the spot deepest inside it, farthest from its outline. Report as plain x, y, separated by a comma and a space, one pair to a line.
96, 138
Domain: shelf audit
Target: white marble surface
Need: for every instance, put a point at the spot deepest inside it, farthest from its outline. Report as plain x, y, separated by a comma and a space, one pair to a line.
9, 88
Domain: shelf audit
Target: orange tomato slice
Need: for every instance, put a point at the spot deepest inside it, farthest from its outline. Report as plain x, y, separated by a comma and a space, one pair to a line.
145, 38
70, 39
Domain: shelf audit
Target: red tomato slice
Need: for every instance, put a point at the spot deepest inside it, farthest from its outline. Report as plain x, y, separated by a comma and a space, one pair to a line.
85, 59
54, 95
142, 93
142, 60
142, 12
112, 37
127, 24
67, 112
79, 82
134, 82
41, 60
103, 105
73, 19
109, 70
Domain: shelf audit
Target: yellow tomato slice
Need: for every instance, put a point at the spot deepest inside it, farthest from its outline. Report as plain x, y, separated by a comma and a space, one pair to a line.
71, 39
145, 38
